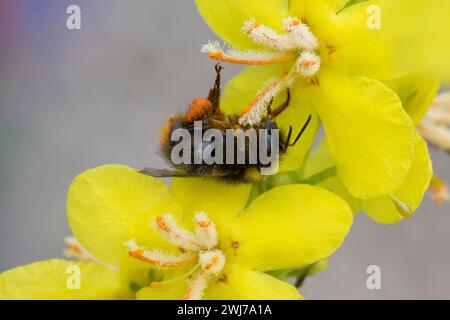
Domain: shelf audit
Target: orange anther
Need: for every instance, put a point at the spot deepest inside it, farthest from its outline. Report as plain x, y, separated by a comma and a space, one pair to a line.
75, 248
295, 22
439, 190
214, 260
252, 26
162, 224
204, 223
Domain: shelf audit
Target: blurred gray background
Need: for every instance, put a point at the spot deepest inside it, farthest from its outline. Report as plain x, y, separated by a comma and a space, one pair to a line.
72, 100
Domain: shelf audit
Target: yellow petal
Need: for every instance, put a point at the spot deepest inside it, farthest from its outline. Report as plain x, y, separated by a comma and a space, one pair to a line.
244, 284
318, 160
335, 185
57, 279
370, 135
319, 165
111, 204
220, 200
217, 198
167, 291
383, 209
226, 17
346, 41
243, 88
359, 45
316, 11
416, 93
290, 226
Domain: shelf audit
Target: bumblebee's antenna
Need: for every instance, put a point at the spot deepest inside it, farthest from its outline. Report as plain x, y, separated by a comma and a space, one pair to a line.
288, 144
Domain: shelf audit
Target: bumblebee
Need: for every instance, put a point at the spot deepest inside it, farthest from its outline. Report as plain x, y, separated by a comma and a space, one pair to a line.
237, 163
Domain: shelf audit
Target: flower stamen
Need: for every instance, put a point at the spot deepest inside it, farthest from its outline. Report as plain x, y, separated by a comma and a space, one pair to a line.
297, 44
158, 258
169, 229
268, 37
439, 189
308, 64
196, 286
212, 262
201, 252
253, 113
75, 250
205, 230
299, 33
246, 57
435, 127
436, 134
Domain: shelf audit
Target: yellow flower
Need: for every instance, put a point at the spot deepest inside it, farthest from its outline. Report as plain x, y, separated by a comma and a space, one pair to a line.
200, 233
388, 208
329, 57
53, 279
416, 93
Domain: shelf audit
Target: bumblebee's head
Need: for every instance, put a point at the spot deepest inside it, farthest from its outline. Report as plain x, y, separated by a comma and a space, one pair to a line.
270, 124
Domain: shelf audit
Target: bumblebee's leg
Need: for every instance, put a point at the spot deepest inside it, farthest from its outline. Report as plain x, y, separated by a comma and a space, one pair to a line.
281, 108
214, 93
300, 133
269, 108
218, 124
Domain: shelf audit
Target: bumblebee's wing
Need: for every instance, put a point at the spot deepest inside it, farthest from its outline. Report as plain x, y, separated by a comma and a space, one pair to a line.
168, 173
162, 173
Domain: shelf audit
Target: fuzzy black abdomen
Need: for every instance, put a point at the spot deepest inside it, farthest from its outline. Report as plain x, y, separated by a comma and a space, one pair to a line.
239, 155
